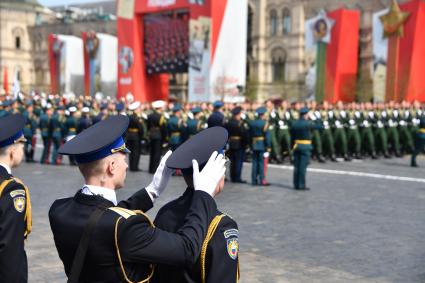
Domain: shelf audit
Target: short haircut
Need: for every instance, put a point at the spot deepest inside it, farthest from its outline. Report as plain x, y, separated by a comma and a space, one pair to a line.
93, 168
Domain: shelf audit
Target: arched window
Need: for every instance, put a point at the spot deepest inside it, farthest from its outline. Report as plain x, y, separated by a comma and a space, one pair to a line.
278, 65
273, 22
286, 21
18, 34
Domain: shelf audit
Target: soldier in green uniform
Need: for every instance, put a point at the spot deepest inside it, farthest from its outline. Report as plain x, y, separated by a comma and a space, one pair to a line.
339, 122
406, 137
327, 136
260, 143
419, 142
315, 116
353, 133
44, 125
392, 130
283, 135
366, 131
381, 137
57, 129
30, 131
301, 134
273, 122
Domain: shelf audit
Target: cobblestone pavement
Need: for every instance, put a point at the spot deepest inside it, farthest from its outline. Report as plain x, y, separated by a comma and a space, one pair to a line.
348, 228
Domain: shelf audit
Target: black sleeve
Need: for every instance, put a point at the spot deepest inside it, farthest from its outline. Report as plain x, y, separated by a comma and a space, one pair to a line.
222, 261
139, 201
12, 228
140, 243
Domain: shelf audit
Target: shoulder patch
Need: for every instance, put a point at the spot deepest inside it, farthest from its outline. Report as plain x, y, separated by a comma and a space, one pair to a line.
233, 248
17, 193
19, 203
231, 233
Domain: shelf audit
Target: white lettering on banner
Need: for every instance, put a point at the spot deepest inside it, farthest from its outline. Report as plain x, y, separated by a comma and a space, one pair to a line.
125, 81
161, 3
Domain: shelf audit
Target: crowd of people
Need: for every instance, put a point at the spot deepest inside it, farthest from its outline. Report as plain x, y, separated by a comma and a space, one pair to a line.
258, 132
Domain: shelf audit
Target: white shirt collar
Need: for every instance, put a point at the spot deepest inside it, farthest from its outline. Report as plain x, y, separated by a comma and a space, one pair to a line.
7, 167
106, 193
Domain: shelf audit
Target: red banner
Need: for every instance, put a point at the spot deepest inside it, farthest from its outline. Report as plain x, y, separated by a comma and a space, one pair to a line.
411, 55
342, 56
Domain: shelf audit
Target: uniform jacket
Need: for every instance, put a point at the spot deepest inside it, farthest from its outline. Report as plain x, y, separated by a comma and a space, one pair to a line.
139, 244
259, 135
237, 134
221, 264
157, 126
301, 130
13, 259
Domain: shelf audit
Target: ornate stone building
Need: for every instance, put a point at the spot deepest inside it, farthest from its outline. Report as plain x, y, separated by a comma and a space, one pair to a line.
16, 45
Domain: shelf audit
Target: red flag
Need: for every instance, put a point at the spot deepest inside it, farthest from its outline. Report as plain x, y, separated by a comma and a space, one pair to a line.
5, 81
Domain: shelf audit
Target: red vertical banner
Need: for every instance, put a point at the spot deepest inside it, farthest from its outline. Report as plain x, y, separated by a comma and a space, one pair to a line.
86, 65
5, 80
54, 62
342, 56
411, 56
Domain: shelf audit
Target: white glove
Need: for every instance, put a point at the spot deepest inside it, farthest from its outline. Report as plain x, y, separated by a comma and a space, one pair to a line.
266, 154
160, 178
211, 174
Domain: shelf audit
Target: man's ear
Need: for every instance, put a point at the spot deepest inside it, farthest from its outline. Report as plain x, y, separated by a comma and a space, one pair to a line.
112, 166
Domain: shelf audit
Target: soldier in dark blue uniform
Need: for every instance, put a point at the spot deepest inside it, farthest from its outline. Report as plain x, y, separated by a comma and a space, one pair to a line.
217, 117
85, 120
45, 129
71, 126
175, 128
301, 133
30, 131
15, 205
218, 260
260, 144
57, 130
157, 130
194, 123
419, 142
101, 240
238, 141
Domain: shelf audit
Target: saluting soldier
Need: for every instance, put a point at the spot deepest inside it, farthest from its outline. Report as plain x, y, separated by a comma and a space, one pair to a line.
101, 240
381, 137
30, 130
218, 261
157, 129
260, 146
238, 141
419, 142
15, 205
134, 136
301, 133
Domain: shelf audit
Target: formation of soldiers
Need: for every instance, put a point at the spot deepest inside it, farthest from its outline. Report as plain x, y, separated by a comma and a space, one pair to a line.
349, 131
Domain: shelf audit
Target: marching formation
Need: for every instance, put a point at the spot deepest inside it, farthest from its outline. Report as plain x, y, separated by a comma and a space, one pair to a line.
257, 131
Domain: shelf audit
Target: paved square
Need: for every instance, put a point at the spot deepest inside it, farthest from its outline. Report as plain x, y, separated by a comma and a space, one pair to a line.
349, 228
